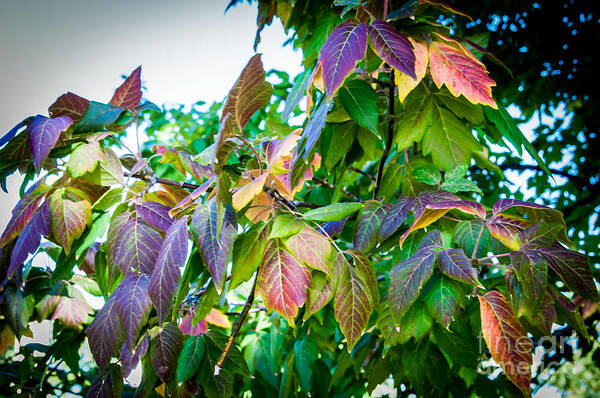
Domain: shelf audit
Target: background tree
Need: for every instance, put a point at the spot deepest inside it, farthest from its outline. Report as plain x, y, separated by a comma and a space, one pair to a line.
366, 240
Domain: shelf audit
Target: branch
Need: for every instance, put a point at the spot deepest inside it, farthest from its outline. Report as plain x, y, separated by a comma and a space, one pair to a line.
364, 173
390, 136
236, 328
328, 185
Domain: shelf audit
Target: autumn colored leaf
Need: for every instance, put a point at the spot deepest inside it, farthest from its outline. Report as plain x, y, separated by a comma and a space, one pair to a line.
320, 292
506, 228
105, 333
366, 229
343, 49
355, 297
407, 279
407, 83
43, 134
453, 65
72, 311
532, 273
108, 172
23, 211
393, 47
166, 275
394, 217
215, 247
84, 159
508, 343
69, 218
136, 247
466, 206
455, 264
129, 94
311, 248
245, 194
155, 214
133, 305
69, 104
282, 281
165, 349
108, 386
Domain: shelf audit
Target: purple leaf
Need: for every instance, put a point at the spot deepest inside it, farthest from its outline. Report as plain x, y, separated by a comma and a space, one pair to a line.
407, 279
23, 212
506, 228
133, 305
155, 214
334, 227
455, 264
129, 359
393, 47
215, 248
105, 333
395, 217
29, 240
505, 204
166, 275
432, 239
69, 104
164, 350
313, 128
136, 247
344, 48
43, 135
367, 225
107, 386
114, 233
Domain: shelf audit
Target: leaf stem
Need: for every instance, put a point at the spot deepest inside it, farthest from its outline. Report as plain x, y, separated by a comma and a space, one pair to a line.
494, 255
236, 328
390, 135
473, 255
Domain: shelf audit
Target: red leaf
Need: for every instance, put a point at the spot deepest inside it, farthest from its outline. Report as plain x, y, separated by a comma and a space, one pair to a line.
23, 212
311, 248
69, 104
508, 343
129, 94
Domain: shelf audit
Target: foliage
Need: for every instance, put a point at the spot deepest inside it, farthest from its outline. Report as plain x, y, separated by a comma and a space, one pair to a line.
364, 247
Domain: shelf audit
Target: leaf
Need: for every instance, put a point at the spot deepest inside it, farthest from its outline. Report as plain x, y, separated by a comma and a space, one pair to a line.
129, 94
443, 299
506, 228
84, 159
285, 225
69, 104
418, 114
406, 280
395, 217
453, 65
136, 247
43, 134
406, 83
449, 141
415, 324
311, 248
249, 94
17, 309
466, 206
455, 264
166, 275
105, 333
247, 254
432, 240
367, 225
109, 171
190, 358
165, 349
28, 241
532, 274
296, 94
444, 7
282, 281
129, 359
306, 352
460, 185
108, 386
343, 49
427, 175
155, 215
508, 343
392, 47
466, 234
355, 297
69, 218
511, 132
245, 194
220, 384
360, 100
214, 247
133, 305
312, 131
98, 117
320, 292
72, 311
333, 212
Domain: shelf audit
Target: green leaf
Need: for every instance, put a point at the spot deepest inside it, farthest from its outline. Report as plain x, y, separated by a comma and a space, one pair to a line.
108, 172
462, 108
465, 236
18, 308
285, 225
333, 212
416, 323
507, 125
108, 199
98, 227
427, 174
360, 100
366, 229
449, 141
443, 299
416, 119
247, 254
305, 354
390, 181
190, 358
320, 292
84, 159
97, 117
460, 185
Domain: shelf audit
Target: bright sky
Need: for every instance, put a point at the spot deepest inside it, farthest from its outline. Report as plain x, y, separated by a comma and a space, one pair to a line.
189, 51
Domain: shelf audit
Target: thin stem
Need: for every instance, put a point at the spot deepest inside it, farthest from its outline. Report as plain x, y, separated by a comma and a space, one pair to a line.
390, 136
364, 173
385, 9
236, 328
478, 240
328, 185
494, 255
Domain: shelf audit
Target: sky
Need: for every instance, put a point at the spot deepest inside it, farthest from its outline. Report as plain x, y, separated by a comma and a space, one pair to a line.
189, 51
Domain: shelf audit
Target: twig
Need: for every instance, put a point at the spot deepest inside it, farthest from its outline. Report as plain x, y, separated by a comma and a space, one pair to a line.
390, 137
494, 255
364, 173
236, 328
328, 185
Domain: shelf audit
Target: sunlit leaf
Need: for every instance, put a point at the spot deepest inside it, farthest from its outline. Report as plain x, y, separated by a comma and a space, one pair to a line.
43, 134
69, 218
393, 47
406, 83
333, 212
137, 247
69, 104
129, 94
311, 248
155, 215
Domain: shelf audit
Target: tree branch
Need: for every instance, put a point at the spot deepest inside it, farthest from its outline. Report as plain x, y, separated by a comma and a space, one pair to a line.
236, 328
390, 136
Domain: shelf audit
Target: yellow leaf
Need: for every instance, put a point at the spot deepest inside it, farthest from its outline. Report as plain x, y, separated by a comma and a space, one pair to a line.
217, 318
245, 194
406, 83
